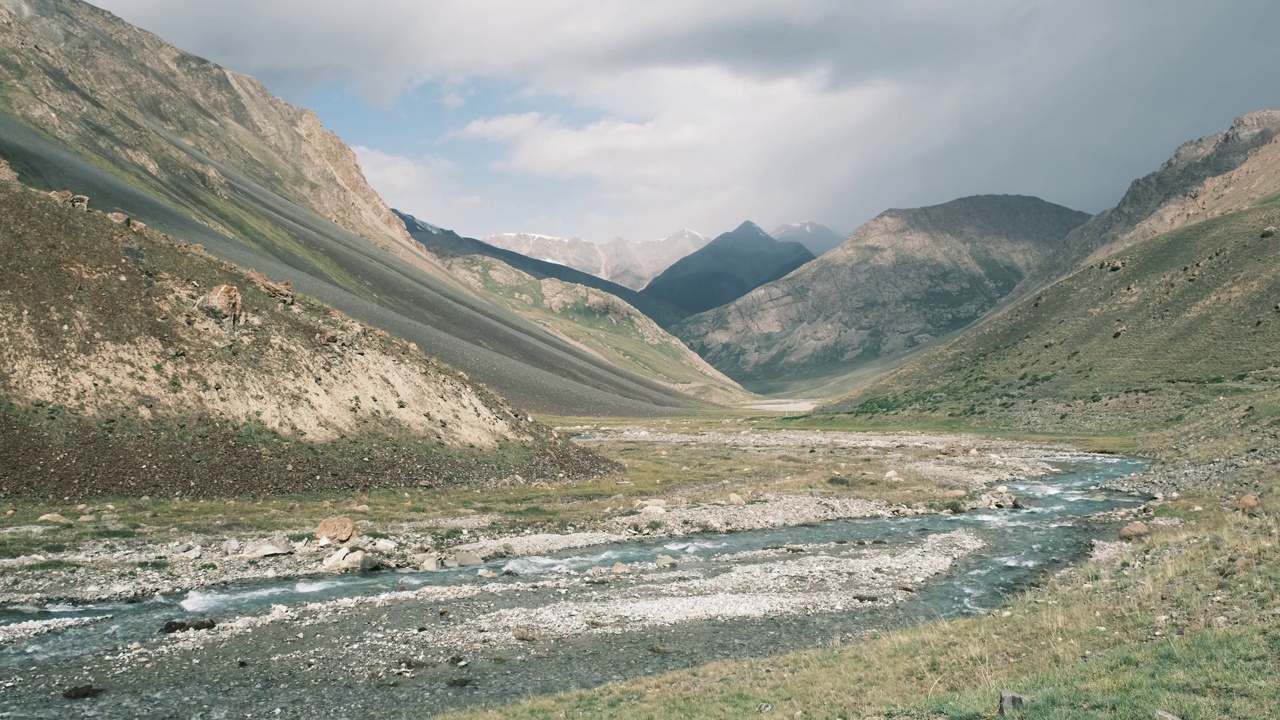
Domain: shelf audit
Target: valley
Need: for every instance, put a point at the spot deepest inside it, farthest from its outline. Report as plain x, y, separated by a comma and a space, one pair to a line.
272, 448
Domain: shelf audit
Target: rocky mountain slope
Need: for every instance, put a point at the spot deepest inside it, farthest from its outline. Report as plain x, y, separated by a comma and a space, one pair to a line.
1172, 336
819, 238
625, 262
728, 267
92, 104
901, 280
1204, 178
442, 241
131, 363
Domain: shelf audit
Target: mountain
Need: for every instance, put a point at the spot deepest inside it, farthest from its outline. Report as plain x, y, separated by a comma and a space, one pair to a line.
901, 280
1172, 336
204, 154
627, 263
447, 241
1204, 178
727, 268
817, 237
133, 363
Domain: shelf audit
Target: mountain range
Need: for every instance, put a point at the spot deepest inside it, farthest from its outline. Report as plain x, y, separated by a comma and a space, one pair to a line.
727, 268
818, 238
629, 264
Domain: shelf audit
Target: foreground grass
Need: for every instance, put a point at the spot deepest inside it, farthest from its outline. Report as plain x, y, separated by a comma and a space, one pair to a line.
1182, 621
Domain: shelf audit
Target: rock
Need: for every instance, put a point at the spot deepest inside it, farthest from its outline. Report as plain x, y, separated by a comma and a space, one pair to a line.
223, 304
973, 452
666, 561
193, 553
282, 291
174, 626
1268, 232
360, 508
383, 545
54, 518
736, 499
1134, 530
955, 493
525, 635
426, 561
80, 692
891, 475
1010, 702
1162, 715
231, 546
87, 518
1002, 489
620, 568
653, 510
338, 529
203, 624
345, 560
269, 547
1248, 504
467, 559
487, 574
118, 218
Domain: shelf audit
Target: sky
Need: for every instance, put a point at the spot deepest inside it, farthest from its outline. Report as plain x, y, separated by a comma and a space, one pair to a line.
609, 118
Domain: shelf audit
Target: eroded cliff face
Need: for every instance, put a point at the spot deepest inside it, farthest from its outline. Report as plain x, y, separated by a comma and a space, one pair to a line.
1205, 178
902, 279
168, 118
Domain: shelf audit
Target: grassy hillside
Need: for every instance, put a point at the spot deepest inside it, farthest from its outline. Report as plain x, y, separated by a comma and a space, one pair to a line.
118, 374
1173, 338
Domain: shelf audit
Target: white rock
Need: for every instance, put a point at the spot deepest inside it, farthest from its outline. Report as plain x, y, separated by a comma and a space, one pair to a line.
653, 510
891, 474
193, 553
384, 545
736, 499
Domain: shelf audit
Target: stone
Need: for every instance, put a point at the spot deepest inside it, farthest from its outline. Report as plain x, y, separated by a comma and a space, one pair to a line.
383, 545
174, 626
736, 499
332, 562
193, 553
231, 546
87, 518
1248, 504
487, 574
1134, 530
666, 561
203, 624
1268, 232
525, 635
620, 568
80, 692
1162, 715
282, 291
338, 529
426, 561
345, 560
54, 518
118, 218
223, 304
268, 547
891, 474
1010, 702
467, 559
653, 510
954, 493
973, 452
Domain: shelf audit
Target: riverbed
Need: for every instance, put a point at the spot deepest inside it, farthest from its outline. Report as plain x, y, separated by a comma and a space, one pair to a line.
421, 643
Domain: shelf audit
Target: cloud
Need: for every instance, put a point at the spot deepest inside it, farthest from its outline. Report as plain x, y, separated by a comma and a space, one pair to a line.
666, 113
423, 185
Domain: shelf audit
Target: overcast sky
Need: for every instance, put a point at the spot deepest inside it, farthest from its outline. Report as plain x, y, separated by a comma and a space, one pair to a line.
605, 118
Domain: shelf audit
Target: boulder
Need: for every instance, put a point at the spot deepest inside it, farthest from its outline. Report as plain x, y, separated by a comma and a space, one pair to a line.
1010, 702
338, 529
891, 475
954, 493
54, 518
345, 560
1134, 530
736, 499
1268, 232
653, 510
223, 304
426, 561
268, 547
1162, 715
384, 545
467, 559
203, 624
174, 626
1248, 504
666, 561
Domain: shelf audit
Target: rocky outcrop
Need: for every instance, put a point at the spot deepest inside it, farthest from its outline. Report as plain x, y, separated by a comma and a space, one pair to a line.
1205, 178
901, 280
224, 305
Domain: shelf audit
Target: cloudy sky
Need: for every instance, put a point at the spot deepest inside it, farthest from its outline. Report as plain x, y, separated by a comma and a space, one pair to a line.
605, 118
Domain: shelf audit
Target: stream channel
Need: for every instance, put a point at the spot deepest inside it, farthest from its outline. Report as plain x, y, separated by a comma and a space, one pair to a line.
1019, 546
